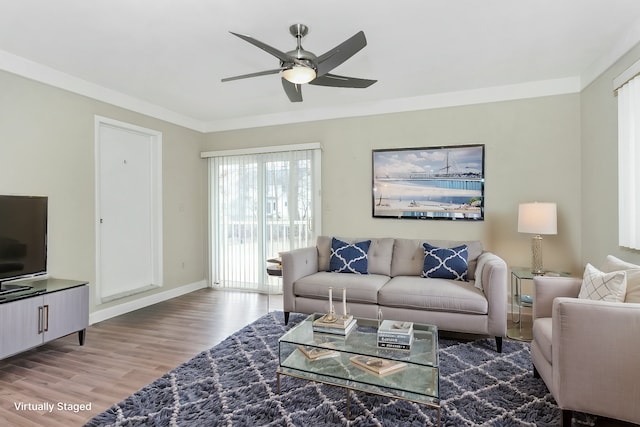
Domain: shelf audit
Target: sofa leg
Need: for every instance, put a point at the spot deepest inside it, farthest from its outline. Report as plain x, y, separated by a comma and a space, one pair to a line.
536, 374
565, 419
499, 344
286, 317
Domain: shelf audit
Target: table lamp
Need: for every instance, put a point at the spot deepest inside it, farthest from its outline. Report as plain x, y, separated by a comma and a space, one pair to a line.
537, 218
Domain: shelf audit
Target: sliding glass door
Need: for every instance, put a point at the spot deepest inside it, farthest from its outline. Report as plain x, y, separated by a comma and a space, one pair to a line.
261, 204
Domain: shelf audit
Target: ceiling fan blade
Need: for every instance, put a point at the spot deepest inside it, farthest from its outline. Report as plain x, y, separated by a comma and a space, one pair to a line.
293, 91
336, 56
341, 81
269, 49
246, 76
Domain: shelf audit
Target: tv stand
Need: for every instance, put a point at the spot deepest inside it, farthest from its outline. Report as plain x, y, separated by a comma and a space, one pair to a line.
46, 310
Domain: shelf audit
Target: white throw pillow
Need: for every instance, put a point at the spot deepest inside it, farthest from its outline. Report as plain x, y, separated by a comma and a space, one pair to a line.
633, 276
600, 286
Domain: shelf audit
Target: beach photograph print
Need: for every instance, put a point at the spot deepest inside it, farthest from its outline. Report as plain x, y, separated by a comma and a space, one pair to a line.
429, 183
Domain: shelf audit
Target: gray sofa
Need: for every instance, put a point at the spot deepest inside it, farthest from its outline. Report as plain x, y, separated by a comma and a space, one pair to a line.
394, 286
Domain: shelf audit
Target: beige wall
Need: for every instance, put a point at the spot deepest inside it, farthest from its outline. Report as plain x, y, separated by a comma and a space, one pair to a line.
47, 148
532, 154
599, 123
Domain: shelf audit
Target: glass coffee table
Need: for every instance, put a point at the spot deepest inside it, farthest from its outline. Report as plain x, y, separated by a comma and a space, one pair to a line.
330, 359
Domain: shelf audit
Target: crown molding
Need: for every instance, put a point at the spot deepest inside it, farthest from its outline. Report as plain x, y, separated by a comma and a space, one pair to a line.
38, 72
427, 102
32, 70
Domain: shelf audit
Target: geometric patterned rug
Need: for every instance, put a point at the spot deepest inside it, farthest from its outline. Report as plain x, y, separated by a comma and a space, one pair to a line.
234, 384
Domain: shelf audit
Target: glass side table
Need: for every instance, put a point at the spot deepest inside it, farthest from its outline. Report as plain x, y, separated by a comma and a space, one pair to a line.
519, 331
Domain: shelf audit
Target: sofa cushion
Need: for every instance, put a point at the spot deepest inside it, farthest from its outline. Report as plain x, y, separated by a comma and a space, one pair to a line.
408, 255
349, 257
542, 328
445, 263
360, 288
417, 293
379, 256
633, 276
600, 286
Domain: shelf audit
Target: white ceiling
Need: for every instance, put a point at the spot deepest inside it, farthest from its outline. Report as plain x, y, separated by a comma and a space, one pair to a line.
165, 58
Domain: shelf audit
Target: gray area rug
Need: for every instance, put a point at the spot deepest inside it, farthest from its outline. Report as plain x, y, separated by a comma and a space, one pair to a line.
234, 384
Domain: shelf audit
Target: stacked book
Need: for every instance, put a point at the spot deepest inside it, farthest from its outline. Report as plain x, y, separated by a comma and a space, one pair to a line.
331, 324
398, 335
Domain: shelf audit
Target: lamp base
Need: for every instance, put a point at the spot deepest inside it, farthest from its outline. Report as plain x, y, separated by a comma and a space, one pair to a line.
536, 255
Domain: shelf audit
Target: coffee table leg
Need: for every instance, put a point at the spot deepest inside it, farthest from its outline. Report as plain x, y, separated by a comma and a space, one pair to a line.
278, 381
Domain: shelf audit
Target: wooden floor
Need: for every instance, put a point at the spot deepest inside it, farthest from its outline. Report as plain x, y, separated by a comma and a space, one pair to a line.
123, 354
120, 356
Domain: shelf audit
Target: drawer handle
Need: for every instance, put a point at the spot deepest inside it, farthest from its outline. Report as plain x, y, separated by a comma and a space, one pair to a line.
40, 319
46, 318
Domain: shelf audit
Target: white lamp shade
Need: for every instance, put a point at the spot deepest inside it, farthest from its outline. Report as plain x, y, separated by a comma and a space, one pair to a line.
538, 218
299, 74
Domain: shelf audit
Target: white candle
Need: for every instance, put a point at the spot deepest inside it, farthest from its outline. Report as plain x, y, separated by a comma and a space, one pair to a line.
330, 298
344, 302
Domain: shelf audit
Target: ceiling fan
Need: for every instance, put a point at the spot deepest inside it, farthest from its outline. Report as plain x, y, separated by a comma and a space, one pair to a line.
300, 66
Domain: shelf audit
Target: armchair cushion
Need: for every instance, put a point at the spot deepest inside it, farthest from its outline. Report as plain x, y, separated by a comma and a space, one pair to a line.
633, 276
548, 288
542, 331
600, 286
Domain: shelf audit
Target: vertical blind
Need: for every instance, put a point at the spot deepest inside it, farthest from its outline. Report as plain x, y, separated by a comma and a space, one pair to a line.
628, 163
261, 204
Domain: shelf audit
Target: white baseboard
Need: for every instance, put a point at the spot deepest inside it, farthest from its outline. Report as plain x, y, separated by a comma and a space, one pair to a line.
108, 313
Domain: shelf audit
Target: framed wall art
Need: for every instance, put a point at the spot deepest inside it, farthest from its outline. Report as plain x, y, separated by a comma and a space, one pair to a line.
429, 183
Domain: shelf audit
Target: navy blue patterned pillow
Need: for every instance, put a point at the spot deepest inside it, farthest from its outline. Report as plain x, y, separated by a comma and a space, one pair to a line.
445, 263
349, 257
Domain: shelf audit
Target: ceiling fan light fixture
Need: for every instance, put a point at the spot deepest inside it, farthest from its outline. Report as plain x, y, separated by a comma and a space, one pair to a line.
299, 66
299, 74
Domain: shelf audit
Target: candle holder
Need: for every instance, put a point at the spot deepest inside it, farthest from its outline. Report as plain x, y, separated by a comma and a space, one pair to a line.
339, 321
330, 317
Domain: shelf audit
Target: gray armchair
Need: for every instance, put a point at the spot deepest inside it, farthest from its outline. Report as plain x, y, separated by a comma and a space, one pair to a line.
587, 352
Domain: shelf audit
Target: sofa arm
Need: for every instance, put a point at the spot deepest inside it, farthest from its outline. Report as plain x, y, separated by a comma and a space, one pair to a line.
595, 357
547, 288
494, 285
296, 264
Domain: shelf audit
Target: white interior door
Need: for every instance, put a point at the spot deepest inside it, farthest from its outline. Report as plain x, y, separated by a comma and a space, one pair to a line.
128, 208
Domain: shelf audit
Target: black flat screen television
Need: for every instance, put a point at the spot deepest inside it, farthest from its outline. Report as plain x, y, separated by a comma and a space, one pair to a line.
23, 236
